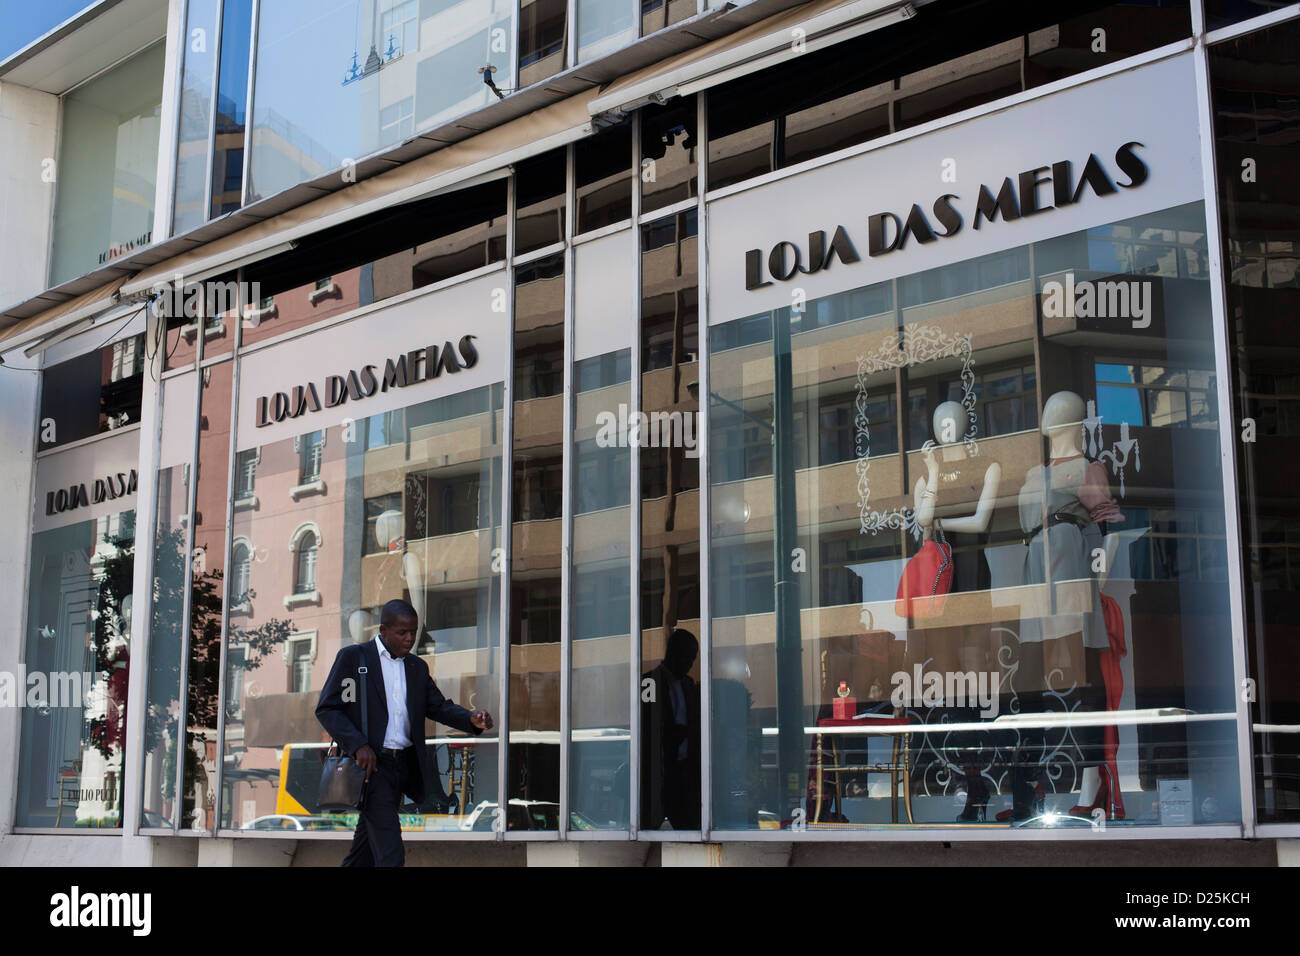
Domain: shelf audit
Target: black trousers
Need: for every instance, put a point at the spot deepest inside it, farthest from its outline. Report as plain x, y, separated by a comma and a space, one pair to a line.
378, 837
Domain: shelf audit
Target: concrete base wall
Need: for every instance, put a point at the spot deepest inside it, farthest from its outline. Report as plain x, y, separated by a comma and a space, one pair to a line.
45, 850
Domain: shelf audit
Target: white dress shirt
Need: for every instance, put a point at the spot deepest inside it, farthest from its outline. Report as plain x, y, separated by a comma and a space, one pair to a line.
397, 735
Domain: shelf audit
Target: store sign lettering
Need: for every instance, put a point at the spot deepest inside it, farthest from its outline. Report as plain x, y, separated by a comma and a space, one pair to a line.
411, 368
108, 488
1029, 193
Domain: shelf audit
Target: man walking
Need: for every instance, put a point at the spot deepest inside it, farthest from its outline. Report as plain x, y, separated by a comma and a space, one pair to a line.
400, 694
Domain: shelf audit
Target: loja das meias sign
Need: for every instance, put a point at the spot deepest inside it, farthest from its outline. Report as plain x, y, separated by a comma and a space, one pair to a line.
410, 368
1029, 193
122, 484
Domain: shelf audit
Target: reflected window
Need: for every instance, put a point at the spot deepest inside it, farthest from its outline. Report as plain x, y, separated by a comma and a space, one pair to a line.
400, 29
99, 391
668, 168
309, 457
540, 187
241, 571
245, 474
541, 39
304, 579
299, 656
603, 178
905, 74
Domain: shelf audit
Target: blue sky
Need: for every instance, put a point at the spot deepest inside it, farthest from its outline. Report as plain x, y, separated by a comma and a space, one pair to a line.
22, 21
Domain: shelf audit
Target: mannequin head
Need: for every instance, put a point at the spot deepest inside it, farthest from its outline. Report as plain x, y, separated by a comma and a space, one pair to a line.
1061, 409
388, 528
1063, 420
949, 421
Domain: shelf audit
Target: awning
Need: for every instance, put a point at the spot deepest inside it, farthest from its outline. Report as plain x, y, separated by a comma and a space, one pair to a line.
66, 314
756, 47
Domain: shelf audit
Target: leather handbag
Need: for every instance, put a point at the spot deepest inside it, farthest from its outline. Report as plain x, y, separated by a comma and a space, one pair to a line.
342, 781
926, 580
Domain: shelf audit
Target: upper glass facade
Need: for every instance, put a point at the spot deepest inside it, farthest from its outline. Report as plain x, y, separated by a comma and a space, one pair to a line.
108, 166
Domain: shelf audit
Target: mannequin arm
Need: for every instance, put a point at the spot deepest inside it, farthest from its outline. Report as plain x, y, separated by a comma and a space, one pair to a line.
923, 493
978, 523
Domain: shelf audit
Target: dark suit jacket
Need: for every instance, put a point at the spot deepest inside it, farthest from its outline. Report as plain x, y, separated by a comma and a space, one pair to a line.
342, 719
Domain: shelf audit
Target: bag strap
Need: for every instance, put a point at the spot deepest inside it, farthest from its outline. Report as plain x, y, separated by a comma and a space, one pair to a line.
945, 549
363, 670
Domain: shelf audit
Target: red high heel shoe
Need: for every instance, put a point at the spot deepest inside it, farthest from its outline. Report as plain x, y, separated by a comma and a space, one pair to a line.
1113, 809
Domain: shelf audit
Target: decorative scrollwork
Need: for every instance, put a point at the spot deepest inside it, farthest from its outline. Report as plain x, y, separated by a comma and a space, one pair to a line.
921, 344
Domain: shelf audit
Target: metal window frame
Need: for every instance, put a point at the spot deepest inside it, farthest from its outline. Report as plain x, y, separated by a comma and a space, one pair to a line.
254, 32
705, 471
1242, 27
567, 454
634, 502
212, 110
507, 505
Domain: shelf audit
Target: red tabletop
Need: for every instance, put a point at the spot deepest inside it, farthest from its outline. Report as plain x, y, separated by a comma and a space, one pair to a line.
862, 722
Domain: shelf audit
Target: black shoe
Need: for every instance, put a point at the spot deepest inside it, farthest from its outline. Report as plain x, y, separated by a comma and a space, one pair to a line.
977, 801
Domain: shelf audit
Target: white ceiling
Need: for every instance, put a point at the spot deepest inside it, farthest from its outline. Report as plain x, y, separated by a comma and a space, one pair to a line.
100, 36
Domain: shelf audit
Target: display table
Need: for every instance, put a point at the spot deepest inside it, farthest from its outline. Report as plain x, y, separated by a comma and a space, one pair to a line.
899, 765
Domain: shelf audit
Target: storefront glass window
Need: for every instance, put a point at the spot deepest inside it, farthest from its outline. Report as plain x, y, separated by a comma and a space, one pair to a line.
1257, 101
108, 166
340, 82
208, 592
942, 629
670, 534
411, 518
537, 484
159, 807
77, 661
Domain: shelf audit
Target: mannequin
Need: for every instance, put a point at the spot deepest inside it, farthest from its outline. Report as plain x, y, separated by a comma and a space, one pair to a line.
947, 428
1062, 504
942, 501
